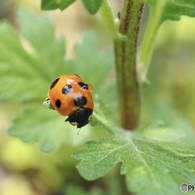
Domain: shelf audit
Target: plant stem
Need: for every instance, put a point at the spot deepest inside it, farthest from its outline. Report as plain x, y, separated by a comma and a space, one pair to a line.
149, 38
126, 70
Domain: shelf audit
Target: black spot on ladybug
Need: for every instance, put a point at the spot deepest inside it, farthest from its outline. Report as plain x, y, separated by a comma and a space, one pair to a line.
58, 103
54, 83
66, 89
80, 101
83, 85
77, 75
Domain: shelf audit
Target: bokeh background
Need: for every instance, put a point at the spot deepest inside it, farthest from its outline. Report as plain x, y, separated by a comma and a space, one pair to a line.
169, 97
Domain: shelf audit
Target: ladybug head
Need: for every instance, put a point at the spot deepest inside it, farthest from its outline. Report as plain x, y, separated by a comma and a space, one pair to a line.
80, 117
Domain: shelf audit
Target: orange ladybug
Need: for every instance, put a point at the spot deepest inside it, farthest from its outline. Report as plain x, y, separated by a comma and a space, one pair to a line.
71, 97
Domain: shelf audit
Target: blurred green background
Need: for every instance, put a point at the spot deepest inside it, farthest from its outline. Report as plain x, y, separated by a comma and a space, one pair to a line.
169, 97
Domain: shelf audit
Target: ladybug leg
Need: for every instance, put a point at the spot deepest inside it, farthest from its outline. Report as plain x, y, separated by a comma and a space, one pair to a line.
47, 103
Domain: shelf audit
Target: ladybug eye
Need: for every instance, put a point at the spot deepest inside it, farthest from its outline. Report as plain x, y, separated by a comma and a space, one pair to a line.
66, 89
83, 85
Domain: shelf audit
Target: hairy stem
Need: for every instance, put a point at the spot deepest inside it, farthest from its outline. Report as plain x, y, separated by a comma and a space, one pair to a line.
126, 69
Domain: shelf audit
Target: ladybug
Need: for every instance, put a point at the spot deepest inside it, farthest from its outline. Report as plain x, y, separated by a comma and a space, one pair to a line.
71, 97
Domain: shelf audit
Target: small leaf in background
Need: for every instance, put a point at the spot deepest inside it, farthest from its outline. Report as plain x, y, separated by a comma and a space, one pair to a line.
92, 5
47, 127
89, 59
48, 50
73, 190
27, 74
43, 125
173, 9
54, 4
150, 166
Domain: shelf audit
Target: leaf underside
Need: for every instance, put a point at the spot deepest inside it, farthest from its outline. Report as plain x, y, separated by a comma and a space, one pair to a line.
55, 4
92, 6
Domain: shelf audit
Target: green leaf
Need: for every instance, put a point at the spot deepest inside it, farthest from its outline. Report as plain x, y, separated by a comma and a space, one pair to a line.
27, 67
48, 50
149, 156
104, 118
174, 9
88, 58
150, 166
92, 5
29, 62
54, 4
38, 124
